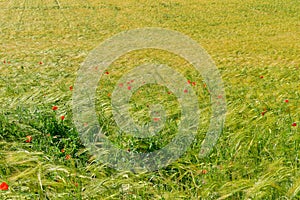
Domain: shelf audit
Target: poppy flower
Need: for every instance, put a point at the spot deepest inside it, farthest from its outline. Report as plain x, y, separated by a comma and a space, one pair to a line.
189, 82
264, 112
62, 150
185, 91
3, 186
68, 157
71, 87
286, 101
204, 171
29, 139
4, 61
193, 83
121, 84
156, 119
261, 77
54, 108
129, 87
62, 117
294, 124
106, 72
40, 62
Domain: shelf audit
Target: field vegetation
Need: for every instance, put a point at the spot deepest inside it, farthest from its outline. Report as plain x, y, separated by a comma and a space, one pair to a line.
255, 45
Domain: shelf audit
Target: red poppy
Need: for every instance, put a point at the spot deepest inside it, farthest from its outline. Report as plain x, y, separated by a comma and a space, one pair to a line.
29, 139
71, 87
193, 83
62, 117
204, 171
263, 113
185, 91
4, 61
121, 84
156, 119
169, 92
294, 124
129, 87
261, 77
54, 108
106, 72
68, 157
4, 186
286, 101
40, 62
189, 82
63, 150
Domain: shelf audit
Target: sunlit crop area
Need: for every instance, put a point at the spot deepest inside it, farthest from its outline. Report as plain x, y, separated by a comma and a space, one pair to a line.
254, 44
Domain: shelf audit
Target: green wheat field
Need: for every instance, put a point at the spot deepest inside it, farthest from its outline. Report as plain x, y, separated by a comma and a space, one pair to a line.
254, 44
